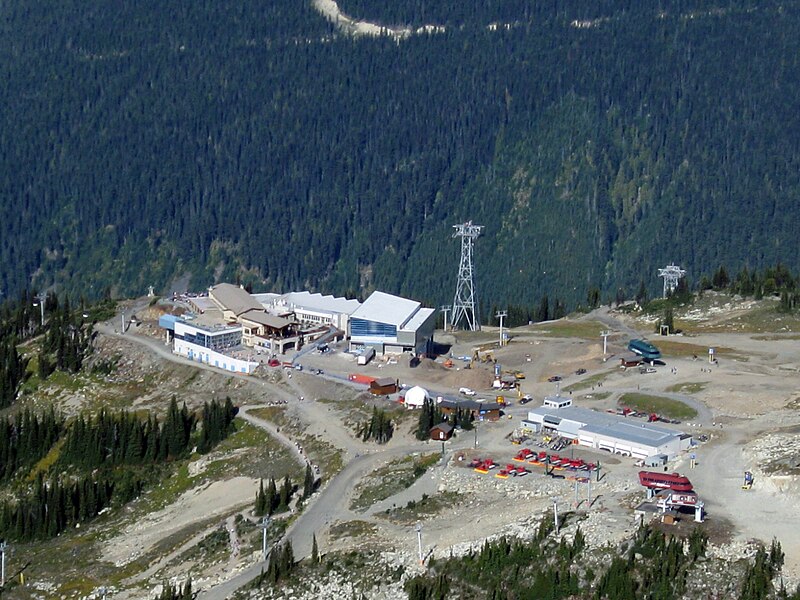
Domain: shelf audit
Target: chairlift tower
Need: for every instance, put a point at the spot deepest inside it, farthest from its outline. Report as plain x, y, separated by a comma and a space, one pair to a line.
671, 274
464, 301
501, 314
445, 308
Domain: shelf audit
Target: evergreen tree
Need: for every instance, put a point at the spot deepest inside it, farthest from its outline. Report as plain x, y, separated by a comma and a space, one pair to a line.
669, 320
262, 506
641, 295
308, 482
273, 500
720, 279
543, 312
285, 494
429, 416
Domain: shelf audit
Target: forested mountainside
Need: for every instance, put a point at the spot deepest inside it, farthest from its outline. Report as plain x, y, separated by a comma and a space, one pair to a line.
253, 141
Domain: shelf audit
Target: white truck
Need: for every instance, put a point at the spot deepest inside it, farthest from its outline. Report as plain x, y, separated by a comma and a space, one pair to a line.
366, 356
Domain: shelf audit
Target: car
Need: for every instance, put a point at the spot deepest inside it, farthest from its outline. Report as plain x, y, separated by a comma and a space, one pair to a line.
274, 362
554, 378
319, 371
466, 391
580, 372
525, 399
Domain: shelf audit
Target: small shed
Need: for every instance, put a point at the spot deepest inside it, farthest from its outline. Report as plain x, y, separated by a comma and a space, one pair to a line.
441, 432
415, 397
383, 386
656, 460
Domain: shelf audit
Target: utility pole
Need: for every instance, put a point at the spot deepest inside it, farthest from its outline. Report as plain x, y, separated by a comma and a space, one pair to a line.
555, 513
501, 314
264, 524
419, 541
605, 333
3, 546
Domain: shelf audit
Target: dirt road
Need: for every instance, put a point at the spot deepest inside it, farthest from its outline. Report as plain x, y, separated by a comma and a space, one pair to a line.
759, 513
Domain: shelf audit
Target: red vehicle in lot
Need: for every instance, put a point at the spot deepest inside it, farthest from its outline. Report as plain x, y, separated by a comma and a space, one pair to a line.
484, 466
523, 455
538, 459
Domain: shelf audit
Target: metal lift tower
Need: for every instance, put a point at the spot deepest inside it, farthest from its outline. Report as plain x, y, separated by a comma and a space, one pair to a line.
671, 275
464, 301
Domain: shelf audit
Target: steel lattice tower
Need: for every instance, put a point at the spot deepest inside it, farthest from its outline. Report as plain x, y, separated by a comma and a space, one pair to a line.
464, 300
671, 275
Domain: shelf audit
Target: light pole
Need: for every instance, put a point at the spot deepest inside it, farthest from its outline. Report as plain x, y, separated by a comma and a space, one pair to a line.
264, 524
419, 540
3, 546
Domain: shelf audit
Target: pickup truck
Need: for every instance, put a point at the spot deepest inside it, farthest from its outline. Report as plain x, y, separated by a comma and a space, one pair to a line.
466, 391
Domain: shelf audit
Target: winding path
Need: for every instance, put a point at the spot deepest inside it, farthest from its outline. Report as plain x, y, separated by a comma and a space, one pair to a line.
327, 506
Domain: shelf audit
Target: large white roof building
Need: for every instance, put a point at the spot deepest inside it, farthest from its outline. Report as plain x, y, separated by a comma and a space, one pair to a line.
604, 431
311, 308
392, 324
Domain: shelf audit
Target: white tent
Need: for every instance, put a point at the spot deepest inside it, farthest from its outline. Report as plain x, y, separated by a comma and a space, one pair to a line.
415, 397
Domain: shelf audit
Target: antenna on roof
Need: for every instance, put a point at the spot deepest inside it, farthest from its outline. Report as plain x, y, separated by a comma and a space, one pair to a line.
464, 301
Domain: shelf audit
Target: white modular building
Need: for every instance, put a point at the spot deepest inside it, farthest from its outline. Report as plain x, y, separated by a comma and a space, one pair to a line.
212, 358
392, 324
604, 431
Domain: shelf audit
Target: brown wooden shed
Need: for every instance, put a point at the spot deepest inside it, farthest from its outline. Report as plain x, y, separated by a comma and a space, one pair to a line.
383, 386
441, 432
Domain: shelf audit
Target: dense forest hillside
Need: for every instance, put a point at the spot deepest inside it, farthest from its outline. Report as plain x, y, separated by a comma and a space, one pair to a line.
144, 141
